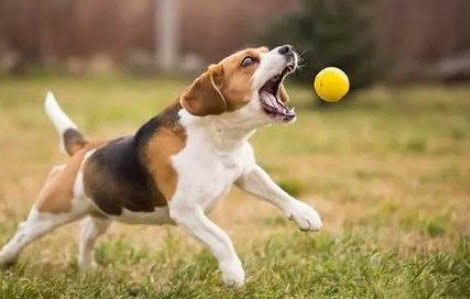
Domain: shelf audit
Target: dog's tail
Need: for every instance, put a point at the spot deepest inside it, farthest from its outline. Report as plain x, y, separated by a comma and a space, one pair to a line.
70, 138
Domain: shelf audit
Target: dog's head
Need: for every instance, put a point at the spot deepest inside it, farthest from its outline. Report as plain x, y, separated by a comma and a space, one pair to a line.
248, 84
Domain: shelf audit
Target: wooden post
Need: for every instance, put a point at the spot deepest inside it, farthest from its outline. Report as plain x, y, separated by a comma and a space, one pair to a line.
167, 39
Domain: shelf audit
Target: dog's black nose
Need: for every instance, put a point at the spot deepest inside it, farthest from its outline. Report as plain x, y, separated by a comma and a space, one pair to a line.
286, 50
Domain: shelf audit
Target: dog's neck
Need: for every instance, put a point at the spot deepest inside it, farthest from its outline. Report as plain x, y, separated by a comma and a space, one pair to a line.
224, 133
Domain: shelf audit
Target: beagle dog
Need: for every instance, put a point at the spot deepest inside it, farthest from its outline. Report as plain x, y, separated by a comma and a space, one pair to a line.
177, 166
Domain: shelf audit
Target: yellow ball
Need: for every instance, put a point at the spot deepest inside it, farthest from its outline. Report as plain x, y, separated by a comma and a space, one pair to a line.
331, 84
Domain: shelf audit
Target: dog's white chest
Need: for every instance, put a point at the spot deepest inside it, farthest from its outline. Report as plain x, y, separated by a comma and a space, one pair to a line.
226, 170
211, 161
208, 175
205, 174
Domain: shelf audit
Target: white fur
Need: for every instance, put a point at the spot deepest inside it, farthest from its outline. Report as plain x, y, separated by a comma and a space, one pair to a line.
217, 154
35, 226
258, 183
271, 64
60, 120
91, 228
78, 187
214, 157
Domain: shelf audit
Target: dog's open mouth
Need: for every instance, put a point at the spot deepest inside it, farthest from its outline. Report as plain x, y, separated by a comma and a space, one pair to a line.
270, 99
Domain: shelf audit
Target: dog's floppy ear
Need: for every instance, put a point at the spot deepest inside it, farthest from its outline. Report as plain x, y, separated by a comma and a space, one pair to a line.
283, 94
204, 97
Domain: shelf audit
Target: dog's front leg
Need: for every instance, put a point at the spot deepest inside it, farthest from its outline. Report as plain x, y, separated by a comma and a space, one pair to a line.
258, 183
193, 220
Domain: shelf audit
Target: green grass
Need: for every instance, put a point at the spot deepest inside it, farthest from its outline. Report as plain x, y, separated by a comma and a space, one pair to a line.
388, 170
293, 266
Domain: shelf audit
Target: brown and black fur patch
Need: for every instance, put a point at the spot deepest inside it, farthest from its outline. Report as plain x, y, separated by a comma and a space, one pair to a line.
117, 176
73, 141
57, 194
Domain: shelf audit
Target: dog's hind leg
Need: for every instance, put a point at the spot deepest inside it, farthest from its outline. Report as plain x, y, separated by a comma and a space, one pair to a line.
92, 228
35, 226
55, 206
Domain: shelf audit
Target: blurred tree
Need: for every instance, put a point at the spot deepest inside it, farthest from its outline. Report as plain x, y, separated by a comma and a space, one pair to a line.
331, 33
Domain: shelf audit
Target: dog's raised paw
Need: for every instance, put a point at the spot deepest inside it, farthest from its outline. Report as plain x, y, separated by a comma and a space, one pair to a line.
305, 216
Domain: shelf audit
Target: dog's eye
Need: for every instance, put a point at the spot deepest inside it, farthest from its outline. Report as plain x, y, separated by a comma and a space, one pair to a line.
247, 61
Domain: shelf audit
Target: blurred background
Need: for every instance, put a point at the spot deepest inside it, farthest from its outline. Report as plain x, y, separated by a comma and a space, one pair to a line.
388, 168
396, 40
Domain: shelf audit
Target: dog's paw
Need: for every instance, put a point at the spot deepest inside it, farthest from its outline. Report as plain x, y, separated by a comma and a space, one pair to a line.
233, 274
87, 267
7, 260
305, 216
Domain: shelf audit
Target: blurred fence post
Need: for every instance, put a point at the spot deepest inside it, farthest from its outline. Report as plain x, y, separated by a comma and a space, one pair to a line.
167, 38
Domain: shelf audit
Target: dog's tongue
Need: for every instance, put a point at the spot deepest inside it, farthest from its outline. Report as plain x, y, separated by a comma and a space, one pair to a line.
274, 105
270, 100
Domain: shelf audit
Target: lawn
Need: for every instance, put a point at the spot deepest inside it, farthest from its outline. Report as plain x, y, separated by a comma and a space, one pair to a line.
388, 170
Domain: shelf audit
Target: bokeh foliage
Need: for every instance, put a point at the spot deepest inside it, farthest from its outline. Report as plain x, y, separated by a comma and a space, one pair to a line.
330, 33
